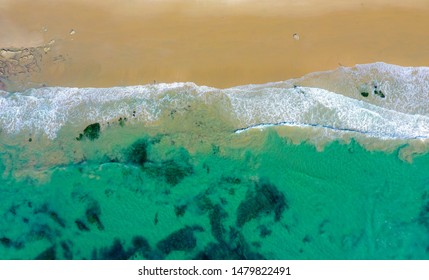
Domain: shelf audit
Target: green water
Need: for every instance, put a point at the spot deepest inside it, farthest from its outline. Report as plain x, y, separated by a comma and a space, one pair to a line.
147, 193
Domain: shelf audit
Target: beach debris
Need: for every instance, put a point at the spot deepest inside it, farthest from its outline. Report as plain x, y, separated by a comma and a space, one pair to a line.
295, 36
72, 32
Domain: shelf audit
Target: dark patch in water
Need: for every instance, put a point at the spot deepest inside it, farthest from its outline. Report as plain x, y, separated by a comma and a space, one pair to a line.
364, 94
175, 172
40, 231
92, 132
231, 180
264, 231
265, 199
155, 219
306, 239
180, 210
122, 121
140, 244
379, 93
180, 240
138, 152
235, 249
93, 213
68, 254
6, 242
115, 252
322, 227
217, 215
54, 216
423, 217
48, 254
81, 225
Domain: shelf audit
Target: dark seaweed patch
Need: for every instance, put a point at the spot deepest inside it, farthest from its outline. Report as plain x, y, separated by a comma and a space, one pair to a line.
264, 200
68, 254
235, 249
364, 94
54, 216
423, 218
379, 93
138, 152
93, 213
217, 215
92, 132
40, 231
6, 242
81, 225
115, 252
175, 172
264, 231
180, 240
231, 180
306, 239
140, 244
155, 219
122, 121
48, 254
180, 210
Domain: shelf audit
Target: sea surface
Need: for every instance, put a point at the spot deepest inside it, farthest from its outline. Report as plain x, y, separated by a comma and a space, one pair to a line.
332, 165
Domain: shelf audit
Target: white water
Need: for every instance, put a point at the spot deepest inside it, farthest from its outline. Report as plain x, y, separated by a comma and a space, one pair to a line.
332, 101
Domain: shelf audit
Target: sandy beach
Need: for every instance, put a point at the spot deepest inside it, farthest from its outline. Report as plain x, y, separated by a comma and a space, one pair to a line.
214, 43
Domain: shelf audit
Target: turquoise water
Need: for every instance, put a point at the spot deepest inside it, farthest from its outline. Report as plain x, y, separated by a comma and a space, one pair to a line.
164, 175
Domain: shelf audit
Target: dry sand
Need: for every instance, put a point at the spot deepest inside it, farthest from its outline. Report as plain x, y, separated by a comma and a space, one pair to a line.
215, 43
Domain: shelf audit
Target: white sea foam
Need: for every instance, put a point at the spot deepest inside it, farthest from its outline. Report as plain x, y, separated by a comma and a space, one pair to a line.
331, 100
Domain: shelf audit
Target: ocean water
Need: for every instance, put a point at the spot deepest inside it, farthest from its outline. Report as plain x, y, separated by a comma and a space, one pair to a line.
333, 165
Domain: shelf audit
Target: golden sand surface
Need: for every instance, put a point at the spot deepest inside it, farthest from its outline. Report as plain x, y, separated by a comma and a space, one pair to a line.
216, 43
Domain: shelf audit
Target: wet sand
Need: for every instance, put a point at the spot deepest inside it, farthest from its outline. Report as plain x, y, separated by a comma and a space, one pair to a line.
222, 44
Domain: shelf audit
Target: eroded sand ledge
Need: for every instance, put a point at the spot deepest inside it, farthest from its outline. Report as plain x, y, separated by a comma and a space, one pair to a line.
221, 44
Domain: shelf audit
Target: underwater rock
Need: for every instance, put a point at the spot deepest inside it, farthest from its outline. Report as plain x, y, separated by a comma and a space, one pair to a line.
92, 132
48, 254
264, 200
180, 240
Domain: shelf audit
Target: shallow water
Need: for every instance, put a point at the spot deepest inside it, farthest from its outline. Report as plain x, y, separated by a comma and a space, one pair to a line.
160, 172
